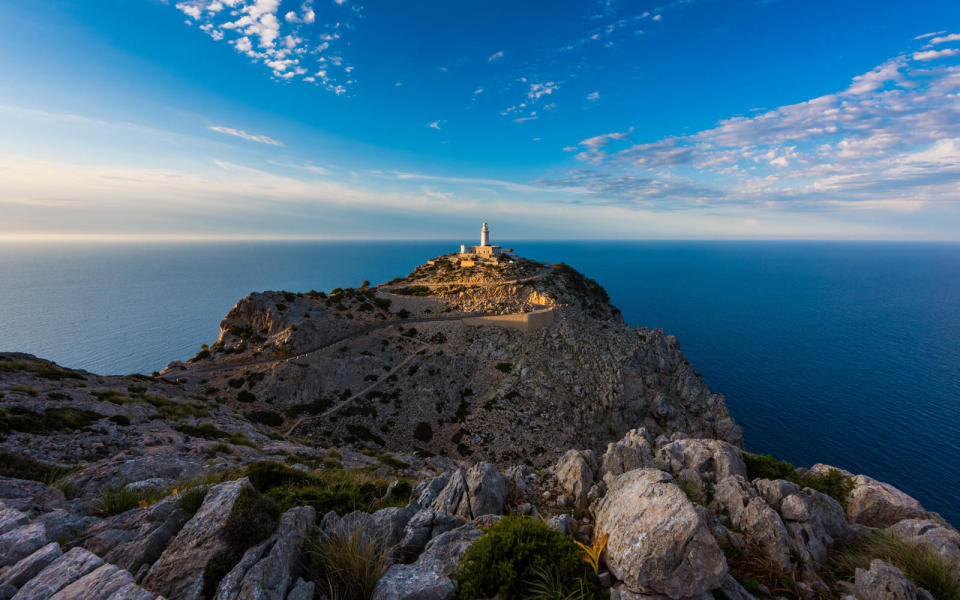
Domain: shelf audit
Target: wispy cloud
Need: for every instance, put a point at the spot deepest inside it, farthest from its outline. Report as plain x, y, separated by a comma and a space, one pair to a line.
244, 135
495, 56
890, 142
935, 54
438, 124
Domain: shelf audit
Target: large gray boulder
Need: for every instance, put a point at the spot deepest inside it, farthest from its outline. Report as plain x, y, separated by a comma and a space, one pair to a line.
11, 518
429, 577
29, 496
633, 451
883, 581
422, 527
136, 538
658, 542
63, 571
815, 520
759, 522
178, 573
480, 490
878, 504
701, 461
28, 567
271, 576
574, 472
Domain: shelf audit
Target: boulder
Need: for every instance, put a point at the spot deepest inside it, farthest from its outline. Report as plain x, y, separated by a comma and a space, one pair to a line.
760, 524
26, 496
63, 571
132, 591
562, 523
64, 525
883, 581
11, 518
28, 567
429, 577
879, 504
701, 461
574, 472
732, 590
658, 542
21, 542
302, 590
422, 527
178, 572
633, 451
815, 520
136, 538
390, 523
480, 490
942, 538
775, 490
99, 584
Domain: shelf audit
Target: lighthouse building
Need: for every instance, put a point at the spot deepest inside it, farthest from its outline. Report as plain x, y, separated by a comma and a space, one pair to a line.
484, 250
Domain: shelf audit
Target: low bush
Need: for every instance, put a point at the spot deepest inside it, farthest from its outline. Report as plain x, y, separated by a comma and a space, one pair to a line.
504, 367
423, 432
19, 418
245, 396
41, 368
192, 499
114, 501
21, 467
919, 562
311, 408
833, 483
347, 563
339, 490
25, 389
510, 559
265, 417
202, 430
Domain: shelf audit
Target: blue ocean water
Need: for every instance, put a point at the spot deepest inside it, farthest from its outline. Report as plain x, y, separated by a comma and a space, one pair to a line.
845, 353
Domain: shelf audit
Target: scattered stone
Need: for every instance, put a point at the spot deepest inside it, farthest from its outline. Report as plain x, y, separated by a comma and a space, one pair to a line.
28, 567
63, 571
22, 541
480, 490
574, 472
883, 581
429, 577
634, 451
701, 461
99, 584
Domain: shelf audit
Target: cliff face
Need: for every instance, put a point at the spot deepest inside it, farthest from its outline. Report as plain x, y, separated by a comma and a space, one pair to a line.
406, 366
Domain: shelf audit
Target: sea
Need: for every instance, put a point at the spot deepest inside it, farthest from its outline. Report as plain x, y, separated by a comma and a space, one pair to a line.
846, 353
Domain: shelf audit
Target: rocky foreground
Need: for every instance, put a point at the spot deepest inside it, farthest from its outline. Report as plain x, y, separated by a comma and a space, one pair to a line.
390, 443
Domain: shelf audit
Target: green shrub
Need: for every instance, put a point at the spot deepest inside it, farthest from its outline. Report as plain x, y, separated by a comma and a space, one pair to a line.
921, 563
25, 389
339, 490
509, 559
252, 520
310, 408
202, 430
114, 501
122, 420
504, 367
245, 396
20, 418
41, 368
404, 313
240, 439
265, 417
21, 467
205, 353
191, 499
423, 432
833, 483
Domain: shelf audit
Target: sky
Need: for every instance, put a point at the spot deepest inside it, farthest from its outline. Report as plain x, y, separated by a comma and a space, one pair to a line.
611, 119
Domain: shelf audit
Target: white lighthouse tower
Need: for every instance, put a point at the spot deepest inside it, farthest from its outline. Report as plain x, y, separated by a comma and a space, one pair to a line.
484, 235
483, 252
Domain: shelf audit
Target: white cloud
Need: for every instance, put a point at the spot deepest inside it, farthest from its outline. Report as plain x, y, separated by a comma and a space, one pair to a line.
935, 54
495, 56
931, 34
257, 29
437, 124
478, 91
593, 96
244, 135
953, 37
658, 17
537, 90
600, 141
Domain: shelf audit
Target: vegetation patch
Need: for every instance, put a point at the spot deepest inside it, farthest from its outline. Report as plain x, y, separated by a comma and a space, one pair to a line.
19, 418
25, 389
517, 557
919, 562
504, 367
41, 368
265, 417
423, 432
21, 467
202, 430
413, 290
833, 483
348, 563
310, 408
339, 490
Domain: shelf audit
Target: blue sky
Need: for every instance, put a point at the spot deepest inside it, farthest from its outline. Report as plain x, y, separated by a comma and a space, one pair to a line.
344, 119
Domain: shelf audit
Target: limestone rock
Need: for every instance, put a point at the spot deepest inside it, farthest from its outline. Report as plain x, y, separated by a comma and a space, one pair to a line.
132, 591
27, 496
701, 461
883, 581
758, 521
22, 541
28, 567
269, 578
879, 504
99, 584
732, 590
942, 538
633, 451
429, 577
11, 518
136, 538
658, 543
775, 490
302, 590
422, 527
562, 523
178, 573
63, 571
574, 473
480, 490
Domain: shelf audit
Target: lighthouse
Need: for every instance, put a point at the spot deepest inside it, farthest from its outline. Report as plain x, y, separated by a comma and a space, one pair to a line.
483, 252
484, 235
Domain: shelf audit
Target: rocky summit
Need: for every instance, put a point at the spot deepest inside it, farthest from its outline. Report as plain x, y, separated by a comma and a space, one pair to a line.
476, 429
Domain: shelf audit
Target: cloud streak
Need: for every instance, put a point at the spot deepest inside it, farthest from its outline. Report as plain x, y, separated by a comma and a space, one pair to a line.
262, 139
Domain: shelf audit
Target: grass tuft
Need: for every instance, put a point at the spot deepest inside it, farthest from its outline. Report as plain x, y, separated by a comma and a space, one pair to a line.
350, 562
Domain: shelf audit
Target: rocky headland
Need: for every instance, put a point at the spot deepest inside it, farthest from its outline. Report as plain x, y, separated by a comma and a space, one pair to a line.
453, 433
